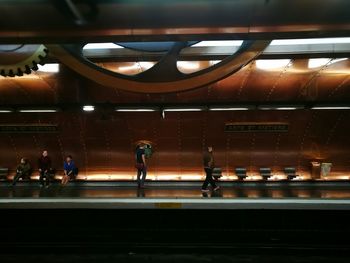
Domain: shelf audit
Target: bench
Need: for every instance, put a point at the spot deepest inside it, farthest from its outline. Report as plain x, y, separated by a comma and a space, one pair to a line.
265, 173
3, 173
290, 172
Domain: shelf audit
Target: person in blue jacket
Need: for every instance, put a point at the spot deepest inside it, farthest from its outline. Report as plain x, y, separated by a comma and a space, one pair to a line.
70, 170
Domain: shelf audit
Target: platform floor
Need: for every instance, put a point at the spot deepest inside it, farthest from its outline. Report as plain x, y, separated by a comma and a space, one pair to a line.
187, 195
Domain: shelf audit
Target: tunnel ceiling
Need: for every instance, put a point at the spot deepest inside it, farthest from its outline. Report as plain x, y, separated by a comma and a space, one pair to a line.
294, 80
57, 21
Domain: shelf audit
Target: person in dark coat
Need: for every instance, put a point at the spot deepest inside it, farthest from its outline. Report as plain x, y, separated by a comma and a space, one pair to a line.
23, 170
45, 168
209, 164
141, 165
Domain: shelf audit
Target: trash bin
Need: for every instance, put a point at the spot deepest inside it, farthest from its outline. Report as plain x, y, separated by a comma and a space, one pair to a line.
315, 170
325, 169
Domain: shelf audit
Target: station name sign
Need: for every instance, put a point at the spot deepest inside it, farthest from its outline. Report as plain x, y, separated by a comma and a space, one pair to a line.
28, 128
256, 127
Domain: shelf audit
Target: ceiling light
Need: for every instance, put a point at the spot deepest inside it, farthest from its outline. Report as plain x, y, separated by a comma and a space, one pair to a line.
49, 68
331, 108
38, 110
308, 41
287, 107
6, 110
182, 109
222, 43
88, 108
228, 108
135, 109
318, 62
188, 64
271, 63
101, 46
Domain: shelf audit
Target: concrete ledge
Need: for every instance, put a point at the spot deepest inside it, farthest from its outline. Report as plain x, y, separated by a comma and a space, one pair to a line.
174, 203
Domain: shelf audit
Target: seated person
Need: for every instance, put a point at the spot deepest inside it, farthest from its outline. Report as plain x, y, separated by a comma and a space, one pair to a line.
70, 170
45, 168
23, 170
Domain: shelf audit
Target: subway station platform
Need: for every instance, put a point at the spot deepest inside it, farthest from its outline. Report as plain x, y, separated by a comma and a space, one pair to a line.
182, 195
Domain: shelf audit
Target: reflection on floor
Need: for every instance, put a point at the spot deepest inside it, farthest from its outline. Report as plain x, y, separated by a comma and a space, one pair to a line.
227, 191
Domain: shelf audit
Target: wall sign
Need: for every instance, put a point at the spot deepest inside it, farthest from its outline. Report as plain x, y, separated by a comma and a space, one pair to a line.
28, 128
256, 127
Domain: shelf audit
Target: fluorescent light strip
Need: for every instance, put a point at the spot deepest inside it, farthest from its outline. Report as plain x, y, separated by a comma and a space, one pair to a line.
308, 41
331, 108
6, 111
101, 46
289, 108
229, 109
135, 110
187, 64
272, 63
280, 107
223, 43
185, 109
318, 62
38, 110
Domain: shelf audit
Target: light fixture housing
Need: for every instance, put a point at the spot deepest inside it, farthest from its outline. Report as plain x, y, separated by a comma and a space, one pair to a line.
38, 110
230, 108
6, 110
270, 64
310, 41
220, 43
88, 108
183, 109
331, 107
281, 107
136, 109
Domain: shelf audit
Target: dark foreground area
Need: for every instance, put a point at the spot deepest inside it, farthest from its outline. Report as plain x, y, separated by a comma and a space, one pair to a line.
170, 235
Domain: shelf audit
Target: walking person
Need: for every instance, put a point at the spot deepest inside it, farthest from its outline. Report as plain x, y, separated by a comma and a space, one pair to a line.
208, 163
141, 165
70, 170
45, 168
23, 170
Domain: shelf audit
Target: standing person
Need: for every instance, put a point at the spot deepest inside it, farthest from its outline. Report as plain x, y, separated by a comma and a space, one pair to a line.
45, 168
208, 163
70, 170
23, 170
141, 165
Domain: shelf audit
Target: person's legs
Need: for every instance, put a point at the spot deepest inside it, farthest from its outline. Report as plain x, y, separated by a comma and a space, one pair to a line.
144, 174
64, 179
16, 178
41, 178
212, 182
139, 177
208, 172
47, 178
26, 175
